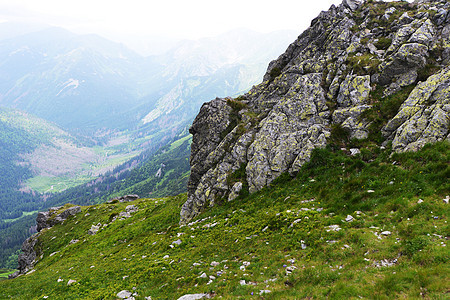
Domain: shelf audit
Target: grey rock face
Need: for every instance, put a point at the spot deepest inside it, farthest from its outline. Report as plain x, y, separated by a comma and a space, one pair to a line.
424, 117
28, 257
127, 198
237, 187
408, 58
49, 218
352, 4
326, 77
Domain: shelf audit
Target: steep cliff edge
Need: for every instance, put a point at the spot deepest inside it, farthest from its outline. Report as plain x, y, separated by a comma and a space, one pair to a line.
30, 248
377, 71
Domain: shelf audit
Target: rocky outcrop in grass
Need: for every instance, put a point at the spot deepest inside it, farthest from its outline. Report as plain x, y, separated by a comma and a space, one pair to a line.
29, 255
371, 71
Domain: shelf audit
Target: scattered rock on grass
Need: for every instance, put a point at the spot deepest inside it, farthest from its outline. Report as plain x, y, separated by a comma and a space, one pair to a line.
385, 263
354, 151
71, 281
333, 228
124, 295
94, 229
194, 297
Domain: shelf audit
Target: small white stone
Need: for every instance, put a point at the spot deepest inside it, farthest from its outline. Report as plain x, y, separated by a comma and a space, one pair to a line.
354, 151
124, 294
420, 201
386, 233
215, 264
333, 228
71, 281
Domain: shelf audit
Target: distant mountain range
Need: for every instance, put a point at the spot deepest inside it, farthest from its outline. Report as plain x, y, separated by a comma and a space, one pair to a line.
86, 83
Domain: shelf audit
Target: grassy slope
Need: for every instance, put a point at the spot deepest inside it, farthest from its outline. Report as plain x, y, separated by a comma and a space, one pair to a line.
139, 253
5, 272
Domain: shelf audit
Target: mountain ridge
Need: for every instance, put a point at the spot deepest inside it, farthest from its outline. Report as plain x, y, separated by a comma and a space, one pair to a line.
331, 78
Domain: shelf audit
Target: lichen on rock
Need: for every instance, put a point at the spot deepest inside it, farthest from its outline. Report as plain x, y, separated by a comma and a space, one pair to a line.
424, 116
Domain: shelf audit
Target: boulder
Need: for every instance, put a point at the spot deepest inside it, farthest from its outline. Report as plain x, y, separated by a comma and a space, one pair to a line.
50, 218
94, 229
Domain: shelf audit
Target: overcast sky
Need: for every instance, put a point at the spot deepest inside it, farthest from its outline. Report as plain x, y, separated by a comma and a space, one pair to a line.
190, 19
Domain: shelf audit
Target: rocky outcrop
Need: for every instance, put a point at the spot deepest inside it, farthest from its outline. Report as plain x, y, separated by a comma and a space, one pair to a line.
27, 258
29, 255
54, 216
424, 117
330, 76
126, 198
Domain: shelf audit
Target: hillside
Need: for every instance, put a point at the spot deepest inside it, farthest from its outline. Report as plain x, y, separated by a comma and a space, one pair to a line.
371, 225
158, 173
327, 180
38, 159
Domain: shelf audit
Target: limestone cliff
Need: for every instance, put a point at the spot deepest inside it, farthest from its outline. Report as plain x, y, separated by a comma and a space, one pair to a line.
351, 58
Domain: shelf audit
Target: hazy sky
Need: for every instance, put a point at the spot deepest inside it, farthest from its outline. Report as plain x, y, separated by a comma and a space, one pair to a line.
190, 19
